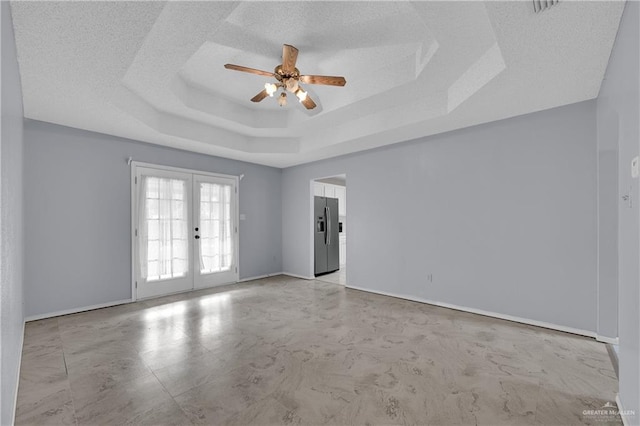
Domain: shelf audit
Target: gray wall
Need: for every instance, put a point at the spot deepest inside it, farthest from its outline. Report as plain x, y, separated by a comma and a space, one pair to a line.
503, 215
619, 120
11, 249
77, 211
607, 122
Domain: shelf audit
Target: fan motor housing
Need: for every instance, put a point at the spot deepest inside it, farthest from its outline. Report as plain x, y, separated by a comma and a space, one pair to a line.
281, 74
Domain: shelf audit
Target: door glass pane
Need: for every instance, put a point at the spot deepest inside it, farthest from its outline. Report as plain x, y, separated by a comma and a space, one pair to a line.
216, 246
164, 229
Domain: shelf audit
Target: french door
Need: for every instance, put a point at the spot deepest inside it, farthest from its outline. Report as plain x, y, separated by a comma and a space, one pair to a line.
185, 231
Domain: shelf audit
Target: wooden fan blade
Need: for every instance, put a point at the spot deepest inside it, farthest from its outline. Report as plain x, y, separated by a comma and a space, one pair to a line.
289, 58
308, 102
260, 96
323, 79
247, 69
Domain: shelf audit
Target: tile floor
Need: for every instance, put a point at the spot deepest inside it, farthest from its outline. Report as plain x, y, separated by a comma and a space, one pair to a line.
289, 351
337, 277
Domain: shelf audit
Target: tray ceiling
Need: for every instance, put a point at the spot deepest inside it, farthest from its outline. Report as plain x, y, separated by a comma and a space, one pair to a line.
153, 71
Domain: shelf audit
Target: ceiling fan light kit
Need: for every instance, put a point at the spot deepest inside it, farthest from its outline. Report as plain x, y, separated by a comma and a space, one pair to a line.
289, 79
301, 94
282, 100
270, 88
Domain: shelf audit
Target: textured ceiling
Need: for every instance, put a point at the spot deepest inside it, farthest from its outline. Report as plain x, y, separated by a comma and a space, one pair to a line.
153, 71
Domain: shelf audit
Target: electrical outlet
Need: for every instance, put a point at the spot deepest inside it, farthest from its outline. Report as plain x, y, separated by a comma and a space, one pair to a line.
430, 278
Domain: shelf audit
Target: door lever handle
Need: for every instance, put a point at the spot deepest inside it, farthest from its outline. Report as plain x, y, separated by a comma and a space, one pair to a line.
197, 237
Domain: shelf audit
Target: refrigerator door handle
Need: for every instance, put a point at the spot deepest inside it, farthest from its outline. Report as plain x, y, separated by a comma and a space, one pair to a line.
328, 225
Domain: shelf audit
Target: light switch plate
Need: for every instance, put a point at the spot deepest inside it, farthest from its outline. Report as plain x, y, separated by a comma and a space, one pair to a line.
634, 167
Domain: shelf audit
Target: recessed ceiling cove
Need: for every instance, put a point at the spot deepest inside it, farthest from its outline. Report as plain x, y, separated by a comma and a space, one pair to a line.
154, 71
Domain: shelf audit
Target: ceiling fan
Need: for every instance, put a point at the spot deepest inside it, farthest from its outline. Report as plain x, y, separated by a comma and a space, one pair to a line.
289, 79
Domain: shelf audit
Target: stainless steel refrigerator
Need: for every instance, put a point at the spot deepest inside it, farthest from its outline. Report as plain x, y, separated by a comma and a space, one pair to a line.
326, 241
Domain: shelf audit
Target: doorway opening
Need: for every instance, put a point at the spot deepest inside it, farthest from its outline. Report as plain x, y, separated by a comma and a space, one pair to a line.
329, 227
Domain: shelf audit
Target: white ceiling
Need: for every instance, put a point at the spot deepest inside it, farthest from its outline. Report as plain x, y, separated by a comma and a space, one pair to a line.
153, 71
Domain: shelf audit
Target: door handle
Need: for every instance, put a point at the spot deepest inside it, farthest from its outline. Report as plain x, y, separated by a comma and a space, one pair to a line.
197, 237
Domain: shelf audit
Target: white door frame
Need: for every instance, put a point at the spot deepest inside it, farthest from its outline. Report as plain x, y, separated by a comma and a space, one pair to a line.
134, 214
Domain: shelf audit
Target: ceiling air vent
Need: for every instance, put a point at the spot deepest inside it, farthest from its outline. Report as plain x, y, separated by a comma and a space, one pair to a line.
540, 5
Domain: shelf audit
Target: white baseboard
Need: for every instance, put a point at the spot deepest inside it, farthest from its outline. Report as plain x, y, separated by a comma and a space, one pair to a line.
481, 312
15, 397
76, 310
298, 276
604, 339
259, 277
624, 414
